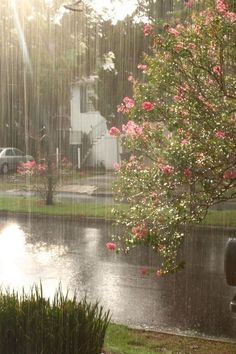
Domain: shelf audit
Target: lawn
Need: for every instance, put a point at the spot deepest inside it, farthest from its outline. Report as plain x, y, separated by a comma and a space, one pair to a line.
65, 208
94, 209
123, 340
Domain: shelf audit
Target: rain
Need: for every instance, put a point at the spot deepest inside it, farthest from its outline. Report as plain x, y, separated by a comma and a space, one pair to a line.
66, 68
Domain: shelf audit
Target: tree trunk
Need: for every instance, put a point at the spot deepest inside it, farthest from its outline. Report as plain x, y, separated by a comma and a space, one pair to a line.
49, 197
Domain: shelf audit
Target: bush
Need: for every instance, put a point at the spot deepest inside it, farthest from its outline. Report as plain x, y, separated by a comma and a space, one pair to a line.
47, 175
31, 324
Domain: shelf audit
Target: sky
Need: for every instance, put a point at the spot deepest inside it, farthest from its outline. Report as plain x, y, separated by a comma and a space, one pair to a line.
114, 9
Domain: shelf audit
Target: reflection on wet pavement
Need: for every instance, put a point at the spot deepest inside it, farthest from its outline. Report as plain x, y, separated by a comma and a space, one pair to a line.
73, 253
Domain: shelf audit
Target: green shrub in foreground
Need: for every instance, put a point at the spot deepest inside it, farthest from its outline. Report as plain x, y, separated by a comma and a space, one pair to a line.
32, 324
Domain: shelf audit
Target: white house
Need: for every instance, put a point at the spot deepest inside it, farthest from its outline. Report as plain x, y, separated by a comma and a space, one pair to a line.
89, 138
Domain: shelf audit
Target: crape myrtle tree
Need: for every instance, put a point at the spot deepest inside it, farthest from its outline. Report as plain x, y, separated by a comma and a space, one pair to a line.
181, 135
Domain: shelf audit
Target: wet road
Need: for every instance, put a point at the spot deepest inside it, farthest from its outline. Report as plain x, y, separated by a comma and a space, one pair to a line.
195, 300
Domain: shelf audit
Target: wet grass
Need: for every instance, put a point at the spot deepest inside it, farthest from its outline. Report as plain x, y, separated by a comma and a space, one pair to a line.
71, 208
221, 218
123, 340
94, 209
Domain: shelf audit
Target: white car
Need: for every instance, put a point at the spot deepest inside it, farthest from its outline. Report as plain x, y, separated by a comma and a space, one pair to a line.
10, 158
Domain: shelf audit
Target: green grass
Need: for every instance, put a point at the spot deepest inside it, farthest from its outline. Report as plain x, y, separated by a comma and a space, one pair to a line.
221, 218
35, 206
96, 210
123, 340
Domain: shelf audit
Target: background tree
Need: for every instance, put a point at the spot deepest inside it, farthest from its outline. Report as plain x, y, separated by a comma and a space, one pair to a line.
39, 61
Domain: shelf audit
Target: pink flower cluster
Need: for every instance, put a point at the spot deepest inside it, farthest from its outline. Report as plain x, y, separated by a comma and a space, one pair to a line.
30, 167
167, 169
222, 9
177, 98
142, 67
134, 164
111, 246
217, 69
130, 78
132, 129
196, 29
220, 134
183, 88
172, 31
114, 131
178, 47
206, 103
189, 4
147, 106
229, 175
126, 105
139, 231
147, 29
116, 166
187, 172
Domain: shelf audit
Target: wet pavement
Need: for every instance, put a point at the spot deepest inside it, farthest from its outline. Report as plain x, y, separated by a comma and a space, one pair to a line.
193, 301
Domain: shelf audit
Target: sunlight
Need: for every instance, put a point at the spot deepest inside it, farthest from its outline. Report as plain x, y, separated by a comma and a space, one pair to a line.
20, 35
115, 10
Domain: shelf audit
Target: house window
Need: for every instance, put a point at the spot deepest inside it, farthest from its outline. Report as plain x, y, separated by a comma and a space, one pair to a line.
87, 99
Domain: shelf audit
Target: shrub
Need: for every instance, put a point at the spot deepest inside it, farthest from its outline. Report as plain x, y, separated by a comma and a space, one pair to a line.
47, 176
32, 324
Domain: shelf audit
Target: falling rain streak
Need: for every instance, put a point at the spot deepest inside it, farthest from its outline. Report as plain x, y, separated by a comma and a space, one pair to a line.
64, 69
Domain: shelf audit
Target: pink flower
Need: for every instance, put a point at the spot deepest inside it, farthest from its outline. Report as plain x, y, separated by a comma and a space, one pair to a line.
126, 105
187, 172
178, 47
147, 29
172, 31
217, 70
111, 246
129, 102
158, 273
183, 142
196, 29
229, 175
121, 108
177, 98
142, 67
132, 129
139, 231
189, 4
191, 46
114, 131
116, 166
167, 169
209, 82
130, 78
147, 106
221, 7
220, 134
